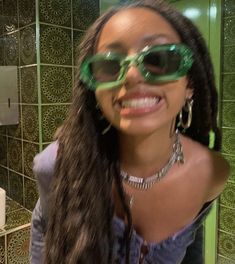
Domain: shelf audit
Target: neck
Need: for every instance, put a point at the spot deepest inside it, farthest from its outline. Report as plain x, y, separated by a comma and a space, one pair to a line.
144, 155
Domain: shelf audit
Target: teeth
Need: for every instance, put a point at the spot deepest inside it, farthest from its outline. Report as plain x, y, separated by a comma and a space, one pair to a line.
141, 102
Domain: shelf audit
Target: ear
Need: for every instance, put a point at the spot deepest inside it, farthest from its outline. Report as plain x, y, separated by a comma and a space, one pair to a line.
189, 93
189, 90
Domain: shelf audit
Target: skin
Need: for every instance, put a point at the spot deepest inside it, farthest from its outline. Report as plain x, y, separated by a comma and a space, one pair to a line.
146, 136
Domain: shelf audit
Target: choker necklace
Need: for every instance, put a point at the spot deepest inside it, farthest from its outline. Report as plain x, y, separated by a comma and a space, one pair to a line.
146, 183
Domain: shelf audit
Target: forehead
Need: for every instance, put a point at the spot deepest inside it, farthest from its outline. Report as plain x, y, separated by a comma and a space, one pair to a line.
135, 27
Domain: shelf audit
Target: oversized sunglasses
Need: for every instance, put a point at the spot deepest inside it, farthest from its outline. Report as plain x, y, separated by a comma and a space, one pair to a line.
160, 63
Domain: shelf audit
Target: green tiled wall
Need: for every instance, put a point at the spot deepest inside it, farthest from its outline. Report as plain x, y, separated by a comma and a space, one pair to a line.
226, 238
41, 40
18, 35
45, 58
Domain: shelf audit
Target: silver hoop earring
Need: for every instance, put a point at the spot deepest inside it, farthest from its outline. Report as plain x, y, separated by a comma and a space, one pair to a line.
106, 129
188, 109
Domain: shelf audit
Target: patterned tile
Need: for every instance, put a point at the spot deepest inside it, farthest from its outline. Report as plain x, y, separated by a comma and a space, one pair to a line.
229, 87
2, 249
229, 31
17, 247
10, 12
229, 59
2, 61
4, 179
56, 45
15, 130
228, 141
227, 197
229, 8
85, 12
26, 12
3, 150
28, 85
12, 206
52, 118
16, 187
15, 154
226, 245
28, 46
55, 12
11, 50
3, 130
227, 219
231, 161
30, 193
29, 152
222, 260
56, 84
77, 36
30, 123
228, 116
17, 218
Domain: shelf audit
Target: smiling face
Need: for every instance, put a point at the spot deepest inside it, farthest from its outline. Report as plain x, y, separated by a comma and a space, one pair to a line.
137, 107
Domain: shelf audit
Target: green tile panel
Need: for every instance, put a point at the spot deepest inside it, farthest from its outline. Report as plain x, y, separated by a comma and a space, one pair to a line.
26, 12
3, 150
228, 114
52, 117
30, 123
55, 12
56, 45
11, 49
16, 187
228, 87
226, 245
229, 8
28, 45
229, 59
227, 220
15, 154
29, 152
56, 84
85, 13
4, 183
228, 141
227, 198
28, 85
30, 193
229, 31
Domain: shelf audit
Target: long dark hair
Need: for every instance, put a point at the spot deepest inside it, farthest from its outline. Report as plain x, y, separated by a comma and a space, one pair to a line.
80, 221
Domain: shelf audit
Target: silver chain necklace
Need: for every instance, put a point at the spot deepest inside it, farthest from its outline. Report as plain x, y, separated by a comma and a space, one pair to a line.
146, 183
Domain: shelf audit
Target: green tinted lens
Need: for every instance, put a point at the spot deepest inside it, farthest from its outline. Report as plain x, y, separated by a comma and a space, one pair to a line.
105, 70
165, 63
161, 63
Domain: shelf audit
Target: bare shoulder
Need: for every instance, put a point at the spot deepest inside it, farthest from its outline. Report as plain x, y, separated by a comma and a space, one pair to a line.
211, 165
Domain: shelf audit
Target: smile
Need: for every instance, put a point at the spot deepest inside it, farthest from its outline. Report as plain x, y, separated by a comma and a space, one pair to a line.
140, 102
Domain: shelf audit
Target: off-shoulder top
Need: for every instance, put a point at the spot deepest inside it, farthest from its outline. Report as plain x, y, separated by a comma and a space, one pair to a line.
169, 251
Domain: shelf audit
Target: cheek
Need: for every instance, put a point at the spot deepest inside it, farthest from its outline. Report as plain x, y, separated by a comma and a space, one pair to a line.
104, 101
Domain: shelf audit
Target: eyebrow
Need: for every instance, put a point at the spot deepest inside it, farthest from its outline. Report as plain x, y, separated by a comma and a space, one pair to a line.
143, 41
150, 38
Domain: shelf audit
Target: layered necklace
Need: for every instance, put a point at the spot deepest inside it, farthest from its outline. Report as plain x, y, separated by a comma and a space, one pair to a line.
146, 183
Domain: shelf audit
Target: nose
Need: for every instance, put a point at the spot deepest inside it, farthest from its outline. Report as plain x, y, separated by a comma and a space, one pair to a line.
133, 76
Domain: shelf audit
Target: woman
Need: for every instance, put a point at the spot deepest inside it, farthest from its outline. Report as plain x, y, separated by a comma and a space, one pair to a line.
122, 184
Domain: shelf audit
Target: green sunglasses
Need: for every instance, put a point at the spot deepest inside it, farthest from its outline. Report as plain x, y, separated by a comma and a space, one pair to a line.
161, 63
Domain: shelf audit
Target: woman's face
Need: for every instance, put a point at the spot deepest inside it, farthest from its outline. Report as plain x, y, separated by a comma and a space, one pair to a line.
137, 107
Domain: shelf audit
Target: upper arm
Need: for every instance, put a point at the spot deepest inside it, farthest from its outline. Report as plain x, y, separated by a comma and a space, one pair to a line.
43, 168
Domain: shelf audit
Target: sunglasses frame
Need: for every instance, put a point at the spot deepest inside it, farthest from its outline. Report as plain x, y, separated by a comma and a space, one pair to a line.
137, 60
